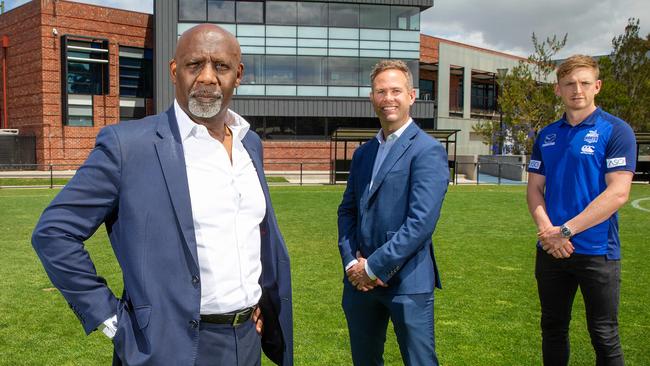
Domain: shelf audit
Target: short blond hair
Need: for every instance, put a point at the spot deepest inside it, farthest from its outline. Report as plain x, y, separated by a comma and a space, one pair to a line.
400, 65
576, 62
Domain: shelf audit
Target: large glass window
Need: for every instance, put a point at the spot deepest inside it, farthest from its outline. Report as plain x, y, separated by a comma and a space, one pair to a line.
366, 65
85, 73
221, 11
414, 67
280, 127
311, 70
427, 92
83, 78
79, 110
344, 15
253, 69
136, 72
311, 127
405, 17
313, 14
483, 96
87, 67
280, 69
132, 108
281, 12
374, 16
343, 71
250, 12
191, 10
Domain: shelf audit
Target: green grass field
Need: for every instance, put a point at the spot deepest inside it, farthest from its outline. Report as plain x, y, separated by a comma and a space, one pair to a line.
487, 313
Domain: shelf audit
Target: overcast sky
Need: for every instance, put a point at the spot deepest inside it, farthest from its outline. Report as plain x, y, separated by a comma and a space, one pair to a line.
507, 25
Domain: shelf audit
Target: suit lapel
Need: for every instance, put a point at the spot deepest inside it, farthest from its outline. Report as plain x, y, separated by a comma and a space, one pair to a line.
172, 161
254, 154
401, 145
365, 174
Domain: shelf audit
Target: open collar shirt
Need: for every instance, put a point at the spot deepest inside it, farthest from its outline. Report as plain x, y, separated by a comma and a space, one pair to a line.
228, 206
384, 148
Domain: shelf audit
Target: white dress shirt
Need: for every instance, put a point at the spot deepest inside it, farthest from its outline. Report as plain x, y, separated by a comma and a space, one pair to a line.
228, 206
382, 152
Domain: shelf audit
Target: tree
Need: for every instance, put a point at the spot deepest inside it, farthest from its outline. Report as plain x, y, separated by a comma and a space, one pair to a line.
527, 99
626, 78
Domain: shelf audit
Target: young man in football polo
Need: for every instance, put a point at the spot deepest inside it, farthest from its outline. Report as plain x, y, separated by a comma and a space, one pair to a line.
580, 174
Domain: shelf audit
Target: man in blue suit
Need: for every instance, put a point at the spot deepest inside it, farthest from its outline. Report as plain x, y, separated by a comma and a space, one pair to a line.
187, 210
389, 211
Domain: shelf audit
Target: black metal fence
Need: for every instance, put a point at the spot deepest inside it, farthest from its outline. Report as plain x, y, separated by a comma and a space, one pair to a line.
278, 173
490, 173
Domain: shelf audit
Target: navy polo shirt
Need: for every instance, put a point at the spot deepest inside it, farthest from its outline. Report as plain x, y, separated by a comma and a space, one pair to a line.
574, 161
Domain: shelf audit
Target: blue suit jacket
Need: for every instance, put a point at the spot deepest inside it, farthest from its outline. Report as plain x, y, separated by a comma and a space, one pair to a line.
135, 182
392, 223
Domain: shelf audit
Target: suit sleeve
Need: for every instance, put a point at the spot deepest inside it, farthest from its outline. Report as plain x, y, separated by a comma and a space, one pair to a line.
88, 200
347, 219
429, 181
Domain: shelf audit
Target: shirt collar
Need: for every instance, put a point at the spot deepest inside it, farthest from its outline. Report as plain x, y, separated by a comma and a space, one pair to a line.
237, 124
393, 136
589, 121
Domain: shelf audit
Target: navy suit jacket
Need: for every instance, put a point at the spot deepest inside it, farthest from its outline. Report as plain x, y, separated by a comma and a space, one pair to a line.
391, 223
135, 182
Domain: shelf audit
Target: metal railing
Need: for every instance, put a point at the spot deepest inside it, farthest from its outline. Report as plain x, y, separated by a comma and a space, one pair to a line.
280, 173
490, 173
277, 173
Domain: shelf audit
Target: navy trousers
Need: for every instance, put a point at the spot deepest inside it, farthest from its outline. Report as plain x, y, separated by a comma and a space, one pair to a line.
557, 283
223, 344
367, 314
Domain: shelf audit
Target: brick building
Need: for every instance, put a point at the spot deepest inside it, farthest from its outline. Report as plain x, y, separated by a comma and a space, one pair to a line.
71, 69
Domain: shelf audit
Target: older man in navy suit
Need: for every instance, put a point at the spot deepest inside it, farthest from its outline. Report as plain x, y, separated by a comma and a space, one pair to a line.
187, 210
389, 211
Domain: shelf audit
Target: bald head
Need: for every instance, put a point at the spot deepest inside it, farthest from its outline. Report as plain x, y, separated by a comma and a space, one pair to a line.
206, 69
211, 31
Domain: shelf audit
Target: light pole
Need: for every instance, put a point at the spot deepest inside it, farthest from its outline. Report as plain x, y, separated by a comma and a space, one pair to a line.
501, 76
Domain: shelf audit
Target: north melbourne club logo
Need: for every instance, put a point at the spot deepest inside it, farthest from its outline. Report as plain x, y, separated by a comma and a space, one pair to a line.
591, 137
549, 140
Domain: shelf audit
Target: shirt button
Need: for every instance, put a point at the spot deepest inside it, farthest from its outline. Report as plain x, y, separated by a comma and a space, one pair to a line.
194, 323
195, 279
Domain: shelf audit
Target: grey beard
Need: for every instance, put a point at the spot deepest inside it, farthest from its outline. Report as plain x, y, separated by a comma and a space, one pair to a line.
204, 110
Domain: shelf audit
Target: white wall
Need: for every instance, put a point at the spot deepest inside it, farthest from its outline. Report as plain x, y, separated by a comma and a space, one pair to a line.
470, 59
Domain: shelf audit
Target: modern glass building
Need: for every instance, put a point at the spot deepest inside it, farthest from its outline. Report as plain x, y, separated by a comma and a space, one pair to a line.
307, 64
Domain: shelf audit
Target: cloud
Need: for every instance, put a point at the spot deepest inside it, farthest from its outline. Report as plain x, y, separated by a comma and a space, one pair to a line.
507, 25
143, 6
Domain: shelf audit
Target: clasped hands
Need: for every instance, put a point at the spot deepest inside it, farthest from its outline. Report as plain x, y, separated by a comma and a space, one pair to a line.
359, 278
554, 243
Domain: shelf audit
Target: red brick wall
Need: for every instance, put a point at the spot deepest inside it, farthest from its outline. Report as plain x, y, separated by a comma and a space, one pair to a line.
287, 155
429, 49
23, 65
34, 71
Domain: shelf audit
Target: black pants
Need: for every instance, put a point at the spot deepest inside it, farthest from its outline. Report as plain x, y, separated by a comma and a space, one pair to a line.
557, 282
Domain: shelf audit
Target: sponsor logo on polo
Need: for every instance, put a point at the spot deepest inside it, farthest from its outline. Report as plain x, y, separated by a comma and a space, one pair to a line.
534, 164
614, 162
549, 140
591, 137
587, 149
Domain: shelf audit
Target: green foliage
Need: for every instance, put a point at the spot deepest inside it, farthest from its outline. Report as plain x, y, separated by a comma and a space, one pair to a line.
527, 98
626, 78
487, 313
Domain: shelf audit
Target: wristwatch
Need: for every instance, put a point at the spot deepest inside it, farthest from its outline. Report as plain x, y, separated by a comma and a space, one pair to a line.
565, 231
